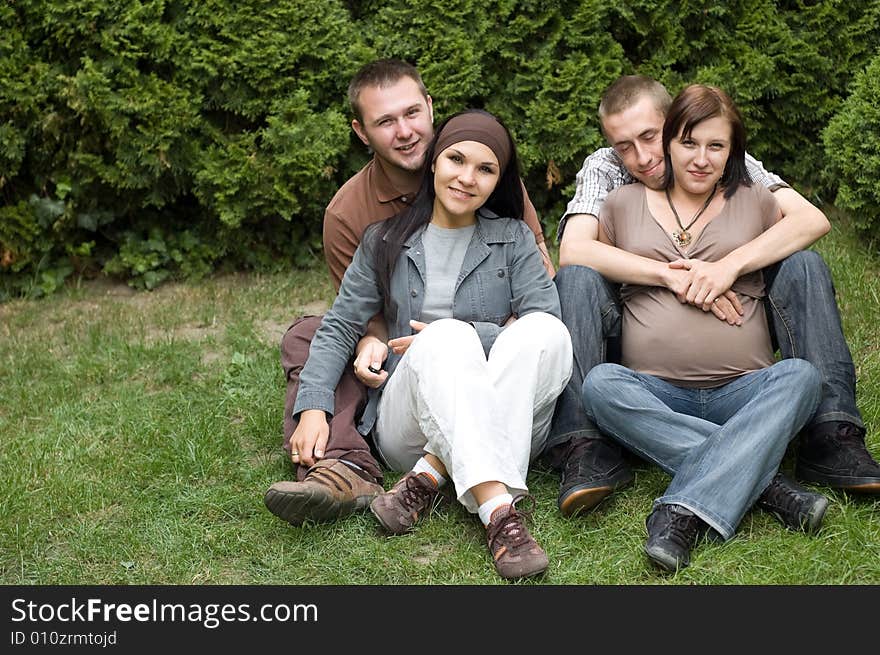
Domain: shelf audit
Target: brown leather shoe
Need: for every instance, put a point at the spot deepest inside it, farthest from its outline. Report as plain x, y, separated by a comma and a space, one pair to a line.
331, 490
515, 552
399, 508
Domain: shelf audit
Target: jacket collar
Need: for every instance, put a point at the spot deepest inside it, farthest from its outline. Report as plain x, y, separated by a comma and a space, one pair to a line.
490, 229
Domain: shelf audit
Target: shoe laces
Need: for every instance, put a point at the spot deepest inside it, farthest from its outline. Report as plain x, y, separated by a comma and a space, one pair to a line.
783, 492
852, 435
575, 455
683, 529
846, 440
596, 455
416, 493
510, 531
574, 450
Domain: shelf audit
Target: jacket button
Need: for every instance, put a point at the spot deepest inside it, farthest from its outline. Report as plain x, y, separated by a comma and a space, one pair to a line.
413, 293
500, 272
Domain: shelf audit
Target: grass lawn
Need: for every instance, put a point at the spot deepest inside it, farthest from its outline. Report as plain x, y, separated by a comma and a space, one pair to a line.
140, 431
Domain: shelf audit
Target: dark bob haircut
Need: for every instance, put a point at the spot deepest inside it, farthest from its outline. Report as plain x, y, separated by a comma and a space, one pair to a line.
695, 104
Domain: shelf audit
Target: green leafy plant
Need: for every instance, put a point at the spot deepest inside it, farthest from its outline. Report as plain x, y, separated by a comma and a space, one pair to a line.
852, 148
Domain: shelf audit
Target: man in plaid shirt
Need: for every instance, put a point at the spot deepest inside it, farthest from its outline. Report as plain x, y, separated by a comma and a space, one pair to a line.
800, 303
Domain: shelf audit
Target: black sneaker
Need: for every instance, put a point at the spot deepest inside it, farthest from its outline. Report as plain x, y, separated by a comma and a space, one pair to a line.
796, 507
834, 454
592, 468
673, 531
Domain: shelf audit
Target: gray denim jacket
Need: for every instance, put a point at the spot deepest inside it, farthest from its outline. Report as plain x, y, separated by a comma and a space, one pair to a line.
502, 274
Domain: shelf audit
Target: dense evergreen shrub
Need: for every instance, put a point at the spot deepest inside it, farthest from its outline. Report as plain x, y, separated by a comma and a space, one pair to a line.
540, 66
124, 120
852, 145
157, 138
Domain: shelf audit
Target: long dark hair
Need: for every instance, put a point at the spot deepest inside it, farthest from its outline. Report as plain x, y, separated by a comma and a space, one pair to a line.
506, 200
695, 104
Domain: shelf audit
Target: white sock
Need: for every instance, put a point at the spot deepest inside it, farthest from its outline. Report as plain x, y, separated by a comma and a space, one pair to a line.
485, 510
422, 466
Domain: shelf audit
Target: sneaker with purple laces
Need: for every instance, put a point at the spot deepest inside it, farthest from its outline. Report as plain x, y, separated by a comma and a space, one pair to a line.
400, 507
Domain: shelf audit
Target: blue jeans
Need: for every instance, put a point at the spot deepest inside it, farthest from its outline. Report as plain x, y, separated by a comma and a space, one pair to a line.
804, 322
721, 445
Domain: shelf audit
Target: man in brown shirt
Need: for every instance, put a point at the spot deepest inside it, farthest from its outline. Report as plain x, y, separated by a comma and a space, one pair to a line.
394, 118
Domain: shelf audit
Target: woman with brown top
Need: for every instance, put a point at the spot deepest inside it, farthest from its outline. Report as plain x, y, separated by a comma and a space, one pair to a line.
701, 398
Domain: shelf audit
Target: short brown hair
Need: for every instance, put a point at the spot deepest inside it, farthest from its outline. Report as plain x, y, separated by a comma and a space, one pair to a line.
628, 90
380, 73
695, 104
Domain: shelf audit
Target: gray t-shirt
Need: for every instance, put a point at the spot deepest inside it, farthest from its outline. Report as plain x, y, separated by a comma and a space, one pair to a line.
445, 249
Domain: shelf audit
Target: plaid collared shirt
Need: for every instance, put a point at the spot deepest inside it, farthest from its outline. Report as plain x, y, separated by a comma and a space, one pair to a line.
603, 171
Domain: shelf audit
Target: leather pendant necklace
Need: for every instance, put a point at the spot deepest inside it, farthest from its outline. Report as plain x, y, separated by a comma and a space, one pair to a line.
682, 237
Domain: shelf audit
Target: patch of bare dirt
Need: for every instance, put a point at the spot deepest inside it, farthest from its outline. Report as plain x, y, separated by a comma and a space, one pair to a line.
210, 357
270, 332
106, 286
429, 554
315, 308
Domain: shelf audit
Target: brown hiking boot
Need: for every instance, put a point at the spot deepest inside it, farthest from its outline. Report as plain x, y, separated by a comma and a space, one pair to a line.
398, 509
514, 550
330, 491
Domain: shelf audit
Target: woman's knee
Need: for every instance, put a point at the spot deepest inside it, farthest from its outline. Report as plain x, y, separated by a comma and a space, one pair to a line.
599, 380
450, 329
447, 336
546, 328
540, 335
802, 373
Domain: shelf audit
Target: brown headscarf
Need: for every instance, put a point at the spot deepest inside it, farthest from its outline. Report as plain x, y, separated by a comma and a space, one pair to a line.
476, 126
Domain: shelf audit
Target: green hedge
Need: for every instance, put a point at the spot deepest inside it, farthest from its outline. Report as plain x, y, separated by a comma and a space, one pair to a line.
852, 146
170, 138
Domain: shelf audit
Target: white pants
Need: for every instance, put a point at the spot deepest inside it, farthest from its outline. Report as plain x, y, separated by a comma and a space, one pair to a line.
485, 420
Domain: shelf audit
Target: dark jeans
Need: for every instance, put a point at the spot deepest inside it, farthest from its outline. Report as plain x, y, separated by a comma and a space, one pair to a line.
591, 312
345, 441
804, 322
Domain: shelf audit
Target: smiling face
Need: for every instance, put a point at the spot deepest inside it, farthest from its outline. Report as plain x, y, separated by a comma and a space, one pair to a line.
465, 175
636, 135
397, 123
698, 159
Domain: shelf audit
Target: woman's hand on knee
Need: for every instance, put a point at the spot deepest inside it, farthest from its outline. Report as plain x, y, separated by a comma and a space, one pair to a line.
309, 440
